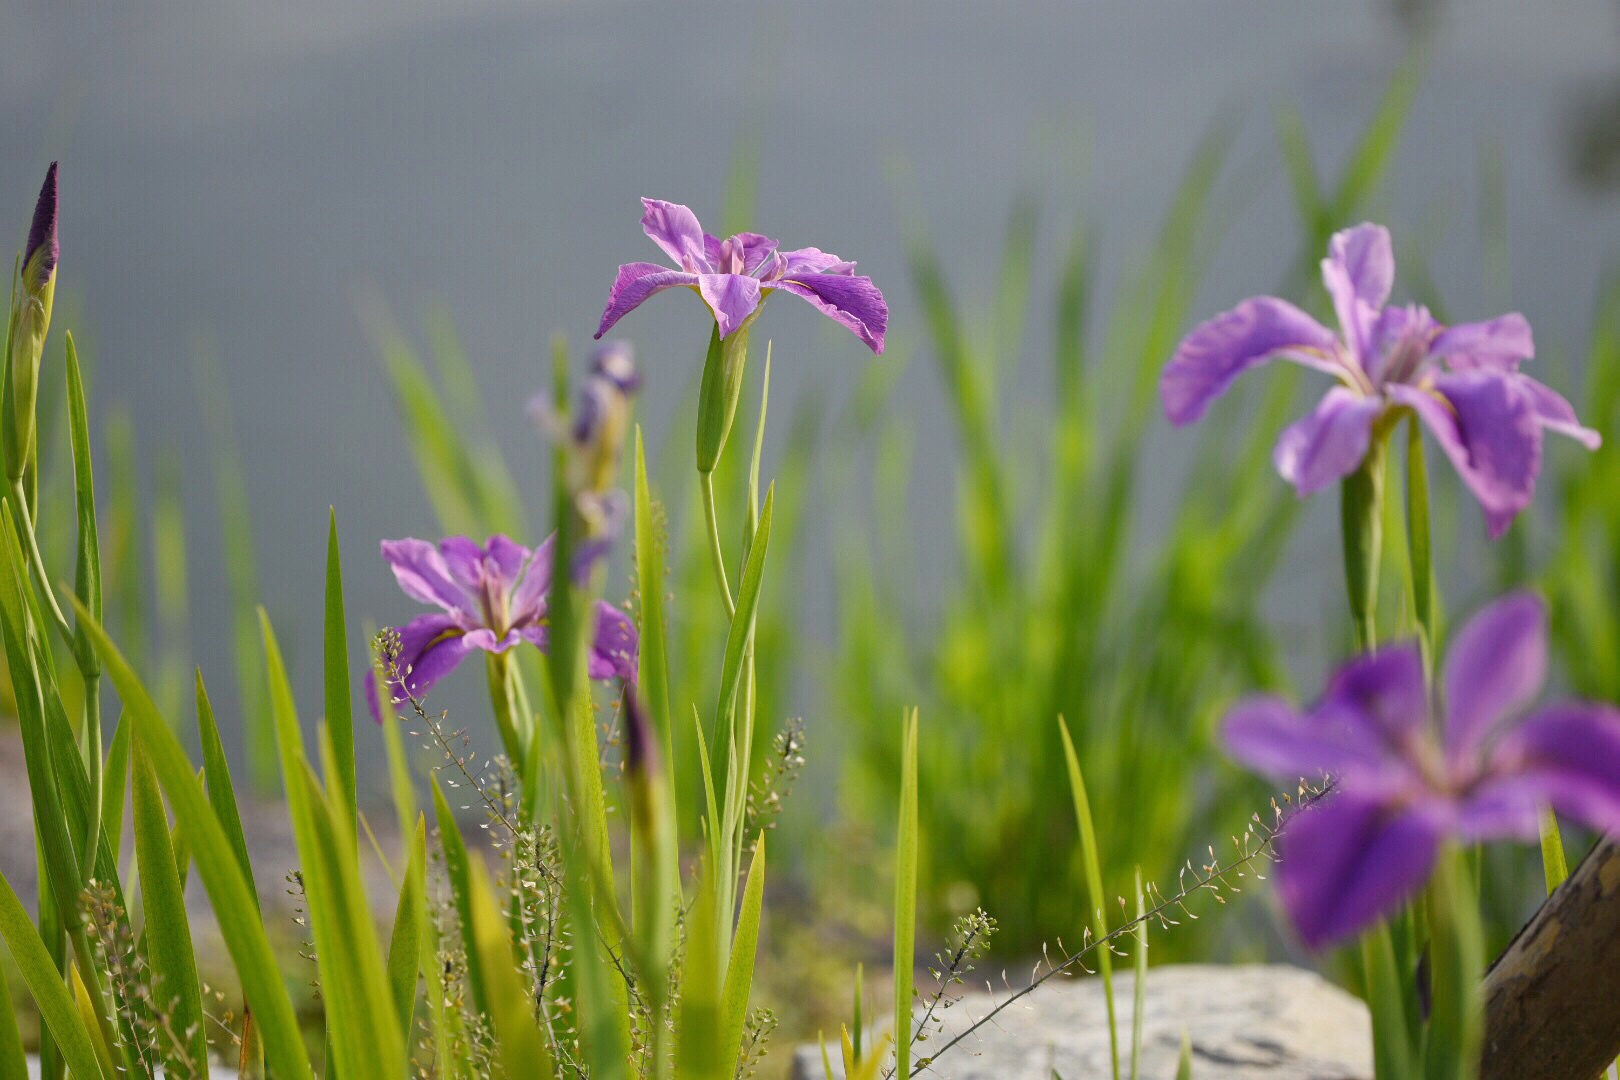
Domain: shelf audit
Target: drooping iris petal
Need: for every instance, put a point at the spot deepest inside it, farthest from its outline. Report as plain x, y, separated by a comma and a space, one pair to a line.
1221, 349
423, 574
732, 298
1496, 667
1328, 444
430, 647
1557, 414
1488, 428
851, 301
1349, 859
1359, 272
1498, 344
1571, 751
675, 228
1272, 737
634, 283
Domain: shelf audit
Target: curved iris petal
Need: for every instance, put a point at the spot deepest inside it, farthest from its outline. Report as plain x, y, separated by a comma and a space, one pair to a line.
1385, 689
1272, 737
1496, 667
848, 300
528, 598
430, 647
1498, 344
675, 228
1557, 414
1328, 444
809, 260
1221, 349
732, 298
1347, 860
464, 558
422, 573
636, 282
1487, 426
1571, 751
1359, 272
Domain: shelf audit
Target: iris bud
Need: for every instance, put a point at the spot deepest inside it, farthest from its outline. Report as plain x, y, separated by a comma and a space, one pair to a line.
717, 397
31, 304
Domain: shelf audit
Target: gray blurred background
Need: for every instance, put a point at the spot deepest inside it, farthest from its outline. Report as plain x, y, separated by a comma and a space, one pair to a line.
240, 179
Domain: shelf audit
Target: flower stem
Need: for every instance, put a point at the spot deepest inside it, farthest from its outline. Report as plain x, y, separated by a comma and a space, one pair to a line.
1419, 544
1361, 521
1457, 951
20, 501
716, 553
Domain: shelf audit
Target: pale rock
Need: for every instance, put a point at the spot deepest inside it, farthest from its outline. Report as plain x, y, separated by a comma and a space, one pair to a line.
1270, 1022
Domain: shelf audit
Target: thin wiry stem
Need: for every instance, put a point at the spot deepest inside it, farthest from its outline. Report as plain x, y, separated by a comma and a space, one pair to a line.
1211, 877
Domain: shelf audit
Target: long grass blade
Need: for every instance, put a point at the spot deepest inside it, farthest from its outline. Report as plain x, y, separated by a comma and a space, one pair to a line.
175, 985
56, 1006
905, 899
339, 700
740, 968
1094, 885
232, 897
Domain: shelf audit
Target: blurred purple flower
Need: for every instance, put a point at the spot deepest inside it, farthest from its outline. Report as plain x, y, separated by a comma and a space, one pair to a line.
1463, 381
490, 597
1402, 785
734, 275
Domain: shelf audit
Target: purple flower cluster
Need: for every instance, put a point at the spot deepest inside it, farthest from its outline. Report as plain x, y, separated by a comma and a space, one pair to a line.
1402, 785
1463, 381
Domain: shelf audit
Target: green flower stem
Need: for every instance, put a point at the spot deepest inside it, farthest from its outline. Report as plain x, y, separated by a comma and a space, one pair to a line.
1420, 564
716, 552
497, 669
1361, 522
1457, 955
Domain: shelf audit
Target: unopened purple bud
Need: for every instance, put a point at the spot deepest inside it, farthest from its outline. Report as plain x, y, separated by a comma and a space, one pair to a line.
42, 234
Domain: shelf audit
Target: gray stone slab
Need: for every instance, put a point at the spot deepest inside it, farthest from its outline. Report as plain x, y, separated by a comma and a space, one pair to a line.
1262, 1022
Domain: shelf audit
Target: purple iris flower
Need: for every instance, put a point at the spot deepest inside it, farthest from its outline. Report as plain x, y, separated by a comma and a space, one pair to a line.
1463, 381
1402, 785
734, 275
491, 597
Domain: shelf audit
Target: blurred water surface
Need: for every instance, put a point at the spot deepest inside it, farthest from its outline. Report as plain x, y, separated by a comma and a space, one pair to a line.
238, 174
